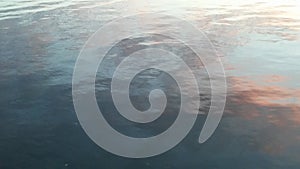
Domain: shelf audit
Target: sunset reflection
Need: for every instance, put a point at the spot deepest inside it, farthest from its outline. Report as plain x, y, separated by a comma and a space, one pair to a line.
281, 102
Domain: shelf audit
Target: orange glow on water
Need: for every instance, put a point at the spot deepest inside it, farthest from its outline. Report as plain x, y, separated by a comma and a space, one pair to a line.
283, 103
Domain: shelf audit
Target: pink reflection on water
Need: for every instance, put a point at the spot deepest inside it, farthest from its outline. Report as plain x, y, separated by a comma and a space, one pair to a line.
269, 111
264, 92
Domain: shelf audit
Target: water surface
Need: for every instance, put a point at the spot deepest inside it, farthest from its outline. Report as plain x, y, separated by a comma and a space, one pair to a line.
259, 46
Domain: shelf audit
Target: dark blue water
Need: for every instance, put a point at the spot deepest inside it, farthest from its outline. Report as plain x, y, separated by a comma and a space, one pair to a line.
259, 45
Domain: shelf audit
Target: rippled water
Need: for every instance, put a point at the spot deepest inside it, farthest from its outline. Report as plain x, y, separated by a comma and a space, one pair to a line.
259, 43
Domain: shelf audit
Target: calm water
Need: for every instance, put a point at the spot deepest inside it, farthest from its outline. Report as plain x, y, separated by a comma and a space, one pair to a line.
259, 43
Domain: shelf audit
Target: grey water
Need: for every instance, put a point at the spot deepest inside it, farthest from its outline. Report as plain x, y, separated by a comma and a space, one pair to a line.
258, 43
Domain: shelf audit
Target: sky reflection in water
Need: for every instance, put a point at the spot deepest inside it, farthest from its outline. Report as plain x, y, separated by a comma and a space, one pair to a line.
259, 45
